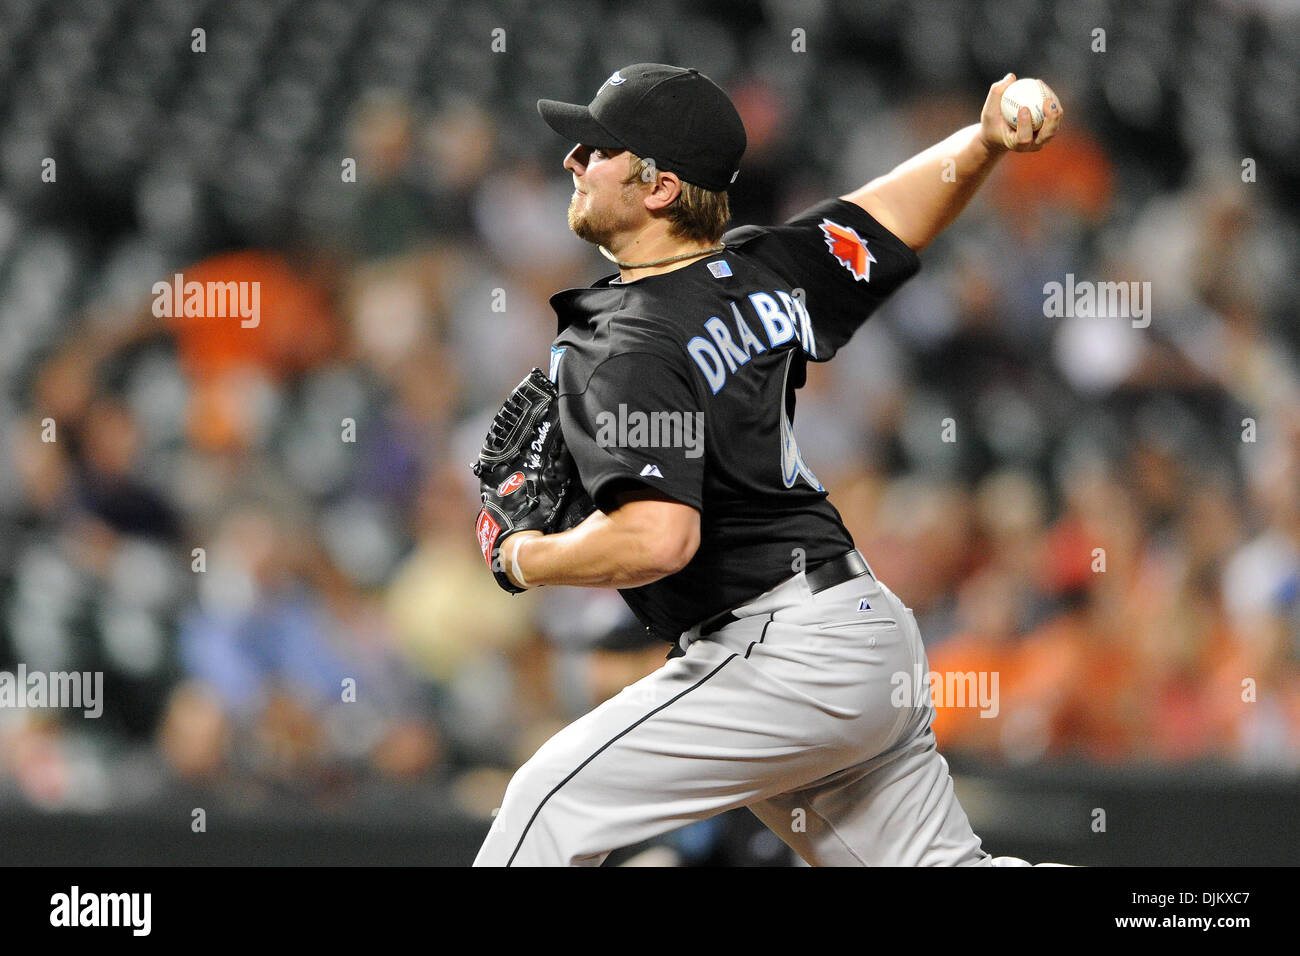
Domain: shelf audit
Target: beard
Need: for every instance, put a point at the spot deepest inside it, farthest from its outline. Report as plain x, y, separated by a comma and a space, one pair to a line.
597, 226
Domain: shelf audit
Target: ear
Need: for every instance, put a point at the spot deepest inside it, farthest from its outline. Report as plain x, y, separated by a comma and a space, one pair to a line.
663, 191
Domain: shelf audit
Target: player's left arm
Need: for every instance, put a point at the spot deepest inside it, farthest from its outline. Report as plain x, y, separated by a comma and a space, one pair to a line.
647, 536
918, 199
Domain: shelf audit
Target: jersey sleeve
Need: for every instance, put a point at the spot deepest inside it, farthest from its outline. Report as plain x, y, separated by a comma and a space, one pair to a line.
845, 262
638, 421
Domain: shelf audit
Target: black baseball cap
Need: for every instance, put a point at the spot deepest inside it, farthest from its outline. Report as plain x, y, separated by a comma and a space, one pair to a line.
678, 117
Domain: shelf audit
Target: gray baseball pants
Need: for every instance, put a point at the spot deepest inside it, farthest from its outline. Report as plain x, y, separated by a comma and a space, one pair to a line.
788, 711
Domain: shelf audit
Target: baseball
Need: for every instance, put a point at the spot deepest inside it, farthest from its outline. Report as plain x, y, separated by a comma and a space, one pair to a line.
1025, 92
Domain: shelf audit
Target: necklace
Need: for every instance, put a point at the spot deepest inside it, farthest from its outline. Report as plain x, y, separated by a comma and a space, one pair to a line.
660, 262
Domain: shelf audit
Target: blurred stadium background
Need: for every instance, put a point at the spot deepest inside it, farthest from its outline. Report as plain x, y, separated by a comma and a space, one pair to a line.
411, 300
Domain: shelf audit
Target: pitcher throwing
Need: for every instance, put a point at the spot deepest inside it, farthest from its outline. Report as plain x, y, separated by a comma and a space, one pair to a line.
673, 385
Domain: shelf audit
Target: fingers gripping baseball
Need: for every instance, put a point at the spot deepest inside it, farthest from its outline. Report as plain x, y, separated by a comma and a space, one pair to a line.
1022, 136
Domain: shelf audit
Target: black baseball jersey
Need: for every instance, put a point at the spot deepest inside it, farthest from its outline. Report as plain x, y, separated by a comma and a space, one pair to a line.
685, 382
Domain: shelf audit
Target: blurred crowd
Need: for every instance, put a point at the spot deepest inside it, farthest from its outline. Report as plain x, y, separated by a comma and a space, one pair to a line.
262, 535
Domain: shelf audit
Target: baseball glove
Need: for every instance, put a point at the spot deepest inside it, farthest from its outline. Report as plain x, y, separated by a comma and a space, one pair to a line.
527, 478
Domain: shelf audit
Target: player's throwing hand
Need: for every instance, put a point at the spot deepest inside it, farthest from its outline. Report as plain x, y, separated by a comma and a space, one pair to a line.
1021, 138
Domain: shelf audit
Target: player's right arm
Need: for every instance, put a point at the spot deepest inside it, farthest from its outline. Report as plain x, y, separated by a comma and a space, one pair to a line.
849, 254
922, 196
646, 537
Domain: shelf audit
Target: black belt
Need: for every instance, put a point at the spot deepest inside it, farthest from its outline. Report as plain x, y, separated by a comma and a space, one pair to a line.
846, 567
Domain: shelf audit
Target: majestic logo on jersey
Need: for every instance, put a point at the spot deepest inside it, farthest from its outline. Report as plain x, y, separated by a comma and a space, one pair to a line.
849, 249
556, 355
792, 463
720, 269
651, 471
511, 484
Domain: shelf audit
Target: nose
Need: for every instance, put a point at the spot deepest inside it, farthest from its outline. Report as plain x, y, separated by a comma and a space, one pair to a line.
576, 161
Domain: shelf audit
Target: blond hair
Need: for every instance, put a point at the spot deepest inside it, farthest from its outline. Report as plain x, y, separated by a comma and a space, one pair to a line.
697, 213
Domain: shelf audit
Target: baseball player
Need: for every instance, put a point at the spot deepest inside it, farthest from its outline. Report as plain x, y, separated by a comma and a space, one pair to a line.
675, 389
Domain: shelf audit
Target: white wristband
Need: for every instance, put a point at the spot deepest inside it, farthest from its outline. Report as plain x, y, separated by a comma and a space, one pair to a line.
514, 564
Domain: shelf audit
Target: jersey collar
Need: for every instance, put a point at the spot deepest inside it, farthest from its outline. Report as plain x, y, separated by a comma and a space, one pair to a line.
583, 306
573, 306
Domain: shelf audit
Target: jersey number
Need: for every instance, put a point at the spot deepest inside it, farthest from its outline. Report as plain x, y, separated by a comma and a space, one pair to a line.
792, 463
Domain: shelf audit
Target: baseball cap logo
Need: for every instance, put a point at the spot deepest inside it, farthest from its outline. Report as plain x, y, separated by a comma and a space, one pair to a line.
511, 484
615, 79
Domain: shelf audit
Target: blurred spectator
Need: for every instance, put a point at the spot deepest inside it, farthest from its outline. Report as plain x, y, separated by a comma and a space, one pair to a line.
305, 688
394, 211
